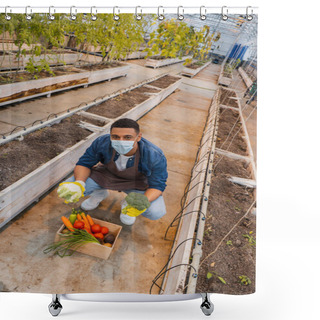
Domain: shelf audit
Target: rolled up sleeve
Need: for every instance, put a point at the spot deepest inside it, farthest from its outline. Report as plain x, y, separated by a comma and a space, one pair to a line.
159, 174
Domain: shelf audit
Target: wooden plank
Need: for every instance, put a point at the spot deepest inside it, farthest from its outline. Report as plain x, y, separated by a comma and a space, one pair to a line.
244, 182
43, 90
10, 93
245, 77
164, 62
232, 155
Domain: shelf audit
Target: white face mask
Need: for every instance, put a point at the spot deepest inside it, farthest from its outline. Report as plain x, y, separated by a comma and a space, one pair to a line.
122, 147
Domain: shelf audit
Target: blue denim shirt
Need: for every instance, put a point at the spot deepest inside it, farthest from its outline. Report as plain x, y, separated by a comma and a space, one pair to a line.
153, 162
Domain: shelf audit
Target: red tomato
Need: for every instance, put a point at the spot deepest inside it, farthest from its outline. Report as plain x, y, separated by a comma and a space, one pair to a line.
104, 230
78, 224
95, 228
98, 235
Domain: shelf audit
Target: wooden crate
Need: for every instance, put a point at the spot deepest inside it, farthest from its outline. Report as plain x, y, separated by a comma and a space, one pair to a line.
96, 249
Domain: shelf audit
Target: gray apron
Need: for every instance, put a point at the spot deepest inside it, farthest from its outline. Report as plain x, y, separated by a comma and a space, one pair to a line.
108, 176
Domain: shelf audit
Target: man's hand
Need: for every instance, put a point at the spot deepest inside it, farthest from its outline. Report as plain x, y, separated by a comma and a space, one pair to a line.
71, 191
134, 204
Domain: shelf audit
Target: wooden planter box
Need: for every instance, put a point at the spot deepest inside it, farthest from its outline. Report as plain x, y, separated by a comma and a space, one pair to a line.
10, 60
192, 72
245, 77
225, 80
20, 91
164, 62
28, 189
96, 249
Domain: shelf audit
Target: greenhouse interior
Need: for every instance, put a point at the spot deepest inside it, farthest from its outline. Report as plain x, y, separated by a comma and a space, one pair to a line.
191, 85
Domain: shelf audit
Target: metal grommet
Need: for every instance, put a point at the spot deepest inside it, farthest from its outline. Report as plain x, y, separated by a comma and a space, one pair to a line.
203, 15
93, 17
115, 16
138, 16
28, 16
160, 16
224, 15
7, 16
180, 15
73, 16
249, 16
51, 16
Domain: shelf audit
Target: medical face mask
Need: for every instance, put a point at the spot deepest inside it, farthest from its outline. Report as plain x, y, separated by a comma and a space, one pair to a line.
122, 147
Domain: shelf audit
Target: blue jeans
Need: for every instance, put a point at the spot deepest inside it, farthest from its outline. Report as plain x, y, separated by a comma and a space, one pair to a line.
157, 207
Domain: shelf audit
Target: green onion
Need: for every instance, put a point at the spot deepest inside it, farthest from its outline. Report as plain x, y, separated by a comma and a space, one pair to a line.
71, 242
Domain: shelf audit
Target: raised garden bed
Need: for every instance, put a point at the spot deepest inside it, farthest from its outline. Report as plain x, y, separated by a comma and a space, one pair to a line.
72, 77
9, 60
225, 78
228, 98
19, 195
245, 77
18, 158
164, 81
230, 121
158, 62
116, 106
235, 256
218, 205
194, 68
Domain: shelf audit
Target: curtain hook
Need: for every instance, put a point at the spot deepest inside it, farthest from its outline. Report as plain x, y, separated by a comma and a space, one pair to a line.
224, 15
28, 16
249, 16
73, 16
7, 16
115, 16
203, 15
51, 16
93, 17
160, 16
138, 16
180, 16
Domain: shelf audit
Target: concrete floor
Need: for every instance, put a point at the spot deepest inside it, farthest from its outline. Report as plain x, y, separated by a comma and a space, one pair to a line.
175, 125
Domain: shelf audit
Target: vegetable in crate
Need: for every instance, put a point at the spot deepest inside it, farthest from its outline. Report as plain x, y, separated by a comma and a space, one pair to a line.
135, 203
71, 191
71, 242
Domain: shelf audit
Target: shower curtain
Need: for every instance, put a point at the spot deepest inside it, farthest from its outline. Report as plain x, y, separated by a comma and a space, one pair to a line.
128, 153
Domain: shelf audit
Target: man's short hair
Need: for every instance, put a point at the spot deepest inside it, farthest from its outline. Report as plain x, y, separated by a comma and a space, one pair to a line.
126, 123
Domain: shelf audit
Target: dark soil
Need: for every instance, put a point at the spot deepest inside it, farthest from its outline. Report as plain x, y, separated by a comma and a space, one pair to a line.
18, 158
225, 96
231, 167
196, 65
159, 57
227, 120
164, 81
100, 66
235, 257
122, 103
20, 76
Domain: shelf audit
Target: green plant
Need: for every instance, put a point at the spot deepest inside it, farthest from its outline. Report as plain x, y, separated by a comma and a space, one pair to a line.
244, 280
211, 274
174, 39
250, 238
229, 243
